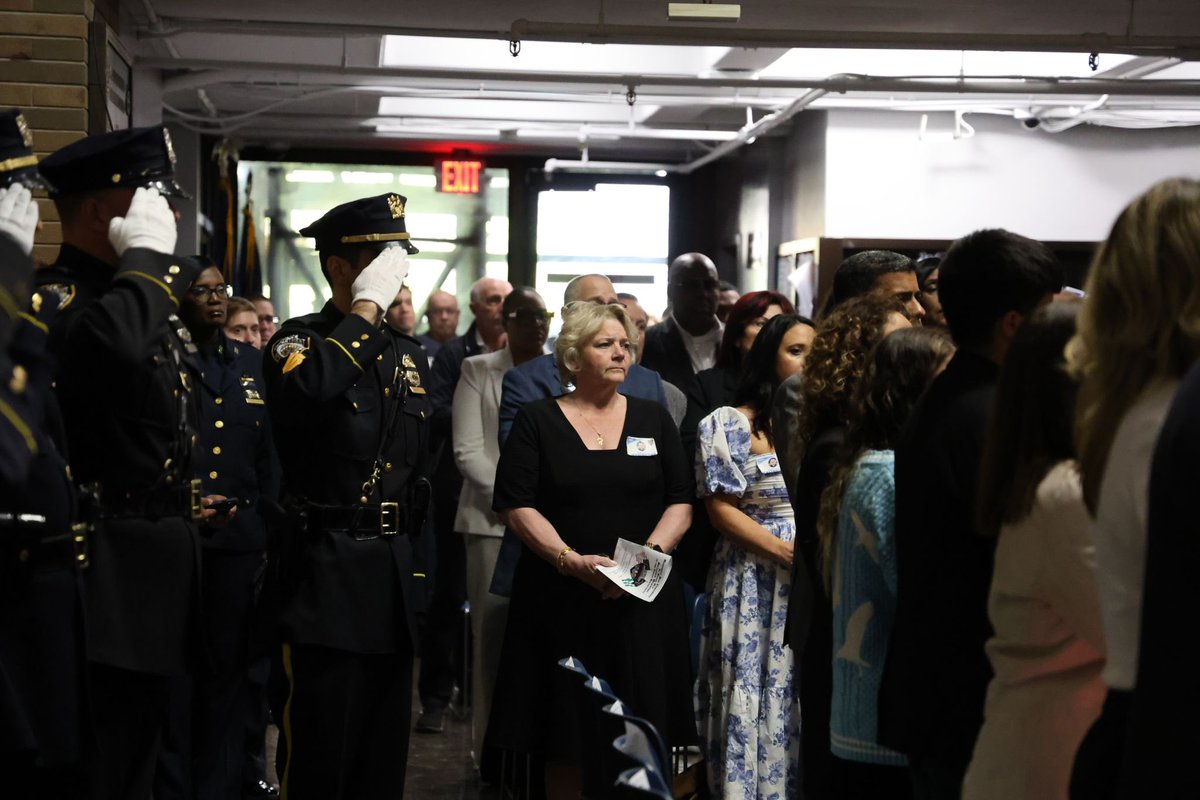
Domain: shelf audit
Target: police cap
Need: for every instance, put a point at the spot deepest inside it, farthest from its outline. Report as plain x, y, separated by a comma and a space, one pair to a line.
130, 158
18, 164
371, 220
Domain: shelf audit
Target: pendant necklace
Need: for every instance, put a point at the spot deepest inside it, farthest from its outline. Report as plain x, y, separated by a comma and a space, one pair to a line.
599, 435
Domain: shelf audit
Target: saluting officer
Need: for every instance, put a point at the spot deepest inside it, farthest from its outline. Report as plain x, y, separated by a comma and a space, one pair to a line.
348, 409
42, 546
127, 401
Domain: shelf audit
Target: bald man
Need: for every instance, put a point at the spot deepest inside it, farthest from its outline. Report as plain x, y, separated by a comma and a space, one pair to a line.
442, 313
686, 342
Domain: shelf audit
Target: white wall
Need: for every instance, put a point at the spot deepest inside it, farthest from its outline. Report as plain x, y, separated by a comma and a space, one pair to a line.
882, 181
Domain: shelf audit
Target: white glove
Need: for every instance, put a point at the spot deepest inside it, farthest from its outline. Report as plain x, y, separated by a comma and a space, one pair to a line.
380, 281
18, 215
148, 223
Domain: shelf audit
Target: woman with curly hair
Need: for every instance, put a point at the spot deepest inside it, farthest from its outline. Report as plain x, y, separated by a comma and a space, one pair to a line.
745, 699
1138, 333
857, 543
833, 369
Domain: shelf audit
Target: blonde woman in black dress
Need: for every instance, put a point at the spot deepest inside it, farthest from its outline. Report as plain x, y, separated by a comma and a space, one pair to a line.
577, 473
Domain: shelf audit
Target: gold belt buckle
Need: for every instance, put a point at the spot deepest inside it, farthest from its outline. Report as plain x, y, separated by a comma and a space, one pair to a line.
194, 500
79, 532
389, 519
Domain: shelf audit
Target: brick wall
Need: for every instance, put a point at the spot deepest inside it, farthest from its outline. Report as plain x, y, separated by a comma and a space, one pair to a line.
44, 72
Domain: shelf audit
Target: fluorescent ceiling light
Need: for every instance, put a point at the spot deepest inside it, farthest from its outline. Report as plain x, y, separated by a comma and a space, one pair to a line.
367, 177
498, 182
309, 176
704, 12
420, 181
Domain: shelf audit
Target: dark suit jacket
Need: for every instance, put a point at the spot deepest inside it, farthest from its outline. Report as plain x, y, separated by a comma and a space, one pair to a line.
708, 390
664, 352
1162, 742
931, 702
539, 378
444, 375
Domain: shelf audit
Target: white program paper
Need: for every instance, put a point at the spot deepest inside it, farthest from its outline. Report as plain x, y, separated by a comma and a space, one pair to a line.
640, 571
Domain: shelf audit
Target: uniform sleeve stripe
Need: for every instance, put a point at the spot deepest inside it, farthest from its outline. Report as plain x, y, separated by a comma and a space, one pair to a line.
7, 303
35, 322
13, 417
156, 282
347, 352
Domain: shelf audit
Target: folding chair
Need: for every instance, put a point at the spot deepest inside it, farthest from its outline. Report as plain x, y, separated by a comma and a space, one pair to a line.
640, 783
638, 741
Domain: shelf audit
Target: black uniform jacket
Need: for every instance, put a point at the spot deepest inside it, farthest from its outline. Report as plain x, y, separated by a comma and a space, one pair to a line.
40, 603
335, 384
127, 404
234, 455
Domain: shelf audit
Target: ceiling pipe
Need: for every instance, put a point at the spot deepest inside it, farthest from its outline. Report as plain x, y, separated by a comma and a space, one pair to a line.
840, 83
712, 35
749, 133
715, 35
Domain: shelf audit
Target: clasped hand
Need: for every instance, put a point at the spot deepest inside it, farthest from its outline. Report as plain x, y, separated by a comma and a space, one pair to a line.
584, 568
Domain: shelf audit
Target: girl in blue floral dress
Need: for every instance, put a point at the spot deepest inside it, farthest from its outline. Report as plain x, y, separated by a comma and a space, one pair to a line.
747, 715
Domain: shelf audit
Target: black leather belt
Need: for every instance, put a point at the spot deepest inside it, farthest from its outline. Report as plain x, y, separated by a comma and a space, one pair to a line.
181, 501
361, 522
23, 539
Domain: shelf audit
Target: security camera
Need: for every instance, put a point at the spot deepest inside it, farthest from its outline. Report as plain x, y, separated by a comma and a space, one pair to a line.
1031, 122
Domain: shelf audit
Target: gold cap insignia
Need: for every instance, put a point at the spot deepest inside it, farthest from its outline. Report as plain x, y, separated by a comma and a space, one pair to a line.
23, 127
396, 206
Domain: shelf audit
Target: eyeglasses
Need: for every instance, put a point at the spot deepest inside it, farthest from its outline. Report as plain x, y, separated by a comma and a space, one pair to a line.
268, 318
528, 316
204, 292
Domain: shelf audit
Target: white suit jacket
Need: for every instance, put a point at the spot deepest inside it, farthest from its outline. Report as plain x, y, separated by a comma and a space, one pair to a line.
476, 423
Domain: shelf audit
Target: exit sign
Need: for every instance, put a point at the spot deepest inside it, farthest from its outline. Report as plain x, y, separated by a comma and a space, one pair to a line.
459, 177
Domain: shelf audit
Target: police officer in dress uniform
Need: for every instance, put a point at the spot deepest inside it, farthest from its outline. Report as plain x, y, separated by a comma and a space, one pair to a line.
349, 410
233, 459
126, 396
42, 543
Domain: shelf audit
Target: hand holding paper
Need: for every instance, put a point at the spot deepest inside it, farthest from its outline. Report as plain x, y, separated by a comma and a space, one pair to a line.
639, 571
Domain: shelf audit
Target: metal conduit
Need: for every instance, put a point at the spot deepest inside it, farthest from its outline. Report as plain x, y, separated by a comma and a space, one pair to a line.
838, 83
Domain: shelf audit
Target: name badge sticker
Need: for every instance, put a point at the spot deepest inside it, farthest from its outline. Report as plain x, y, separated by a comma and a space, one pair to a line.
637, 446
768, 464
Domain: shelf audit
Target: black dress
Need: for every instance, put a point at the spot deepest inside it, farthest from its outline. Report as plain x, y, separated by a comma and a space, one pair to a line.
592, 498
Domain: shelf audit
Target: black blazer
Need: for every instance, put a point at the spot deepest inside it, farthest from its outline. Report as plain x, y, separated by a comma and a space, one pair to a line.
1161, 741
664, 352
936, 675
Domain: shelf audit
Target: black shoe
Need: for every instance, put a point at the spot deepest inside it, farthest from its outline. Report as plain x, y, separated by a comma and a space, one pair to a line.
431, 720
259, 790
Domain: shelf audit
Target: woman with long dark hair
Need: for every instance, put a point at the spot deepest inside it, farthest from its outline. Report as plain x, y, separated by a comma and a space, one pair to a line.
745, 697
1048, 647
857, 542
